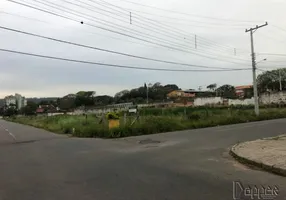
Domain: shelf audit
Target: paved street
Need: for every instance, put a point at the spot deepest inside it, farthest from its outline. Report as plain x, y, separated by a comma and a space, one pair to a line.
185, 165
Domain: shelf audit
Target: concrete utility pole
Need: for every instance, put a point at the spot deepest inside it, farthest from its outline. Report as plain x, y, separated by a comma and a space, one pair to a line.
252, 30
147, 94
280, 79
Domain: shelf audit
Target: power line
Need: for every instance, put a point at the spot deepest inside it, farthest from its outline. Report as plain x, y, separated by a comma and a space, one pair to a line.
42, 10
74, 4
272, 54
118, 26
163, 32
21, 16
156, 31
148, 25
124, 34
89, 32
156, 28
106, 50
273, 38
66, 17
278, 27
33, 19
178, 20
108, 22
261, 70
113, 65
160, 24
182, 13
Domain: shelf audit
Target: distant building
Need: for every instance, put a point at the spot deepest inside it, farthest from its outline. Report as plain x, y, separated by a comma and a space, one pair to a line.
181, 93
241, 91
16, 101
47, 109
10, 101
187, 94
20, 101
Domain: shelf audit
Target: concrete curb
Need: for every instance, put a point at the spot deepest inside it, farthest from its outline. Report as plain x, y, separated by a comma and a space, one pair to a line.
252, 163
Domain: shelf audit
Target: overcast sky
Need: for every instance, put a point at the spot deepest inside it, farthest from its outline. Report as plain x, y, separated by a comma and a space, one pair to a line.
219, 25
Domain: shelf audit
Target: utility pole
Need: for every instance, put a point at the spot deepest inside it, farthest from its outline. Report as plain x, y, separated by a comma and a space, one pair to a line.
280, 79
147, 94
252, 31
196, 45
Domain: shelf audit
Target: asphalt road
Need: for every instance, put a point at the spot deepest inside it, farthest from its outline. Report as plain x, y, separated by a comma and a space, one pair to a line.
195, 164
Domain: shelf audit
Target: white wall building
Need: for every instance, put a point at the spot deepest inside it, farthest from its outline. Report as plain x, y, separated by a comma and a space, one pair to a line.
20, 101
243, 102
208, 101
273, 98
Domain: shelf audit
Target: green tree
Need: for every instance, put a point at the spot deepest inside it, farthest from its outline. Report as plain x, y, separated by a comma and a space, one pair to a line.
270, 80
67, 104
103, 100
226, 91
212, 87
10, 112
84, 98
156, 93
30, 109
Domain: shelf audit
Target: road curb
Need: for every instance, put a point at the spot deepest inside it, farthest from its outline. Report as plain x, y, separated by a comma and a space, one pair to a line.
252, 163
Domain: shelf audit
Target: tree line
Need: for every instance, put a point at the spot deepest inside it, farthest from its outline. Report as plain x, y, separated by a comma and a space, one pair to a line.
267, 81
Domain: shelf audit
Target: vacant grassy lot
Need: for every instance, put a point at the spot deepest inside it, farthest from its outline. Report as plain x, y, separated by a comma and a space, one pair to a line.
150, 121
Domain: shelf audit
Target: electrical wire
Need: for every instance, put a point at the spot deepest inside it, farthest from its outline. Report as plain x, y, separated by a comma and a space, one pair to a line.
139, 26
272, 54
128, 35
163, 34
153, 29
49, 5
21, 16
33, 19
179, 20
113, 65
182, 13
261, 70
106, 50
151, 20
278, 27
89, 32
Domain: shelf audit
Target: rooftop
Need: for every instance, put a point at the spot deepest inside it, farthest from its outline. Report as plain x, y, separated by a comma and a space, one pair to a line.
244, 87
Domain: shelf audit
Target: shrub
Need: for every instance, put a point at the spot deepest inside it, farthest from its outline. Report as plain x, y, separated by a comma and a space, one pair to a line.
112, 115
194, 116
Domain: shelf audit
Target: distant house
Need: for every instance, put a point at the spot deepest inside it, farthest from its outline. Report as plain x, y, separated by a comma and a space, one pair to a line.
241, 91
46, 109
181, 93
188, 94
40, 110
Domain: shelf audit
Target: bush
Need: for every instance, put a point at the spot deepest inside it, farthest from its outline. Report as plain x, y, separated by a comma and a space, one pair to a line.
112, 115
194, 116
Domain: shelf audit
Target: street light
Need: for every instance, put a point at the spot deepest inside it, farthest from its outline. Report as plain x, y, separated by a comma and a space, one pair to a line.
265, 59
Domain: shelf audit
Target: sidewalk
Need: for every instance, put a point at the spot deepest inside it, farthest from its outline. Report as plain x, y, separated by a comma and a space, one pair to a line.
268, 154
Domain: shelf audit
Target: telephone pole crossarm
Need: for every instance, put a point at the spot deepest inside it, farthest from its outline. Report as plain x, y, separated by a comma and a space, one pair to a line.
257, 27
